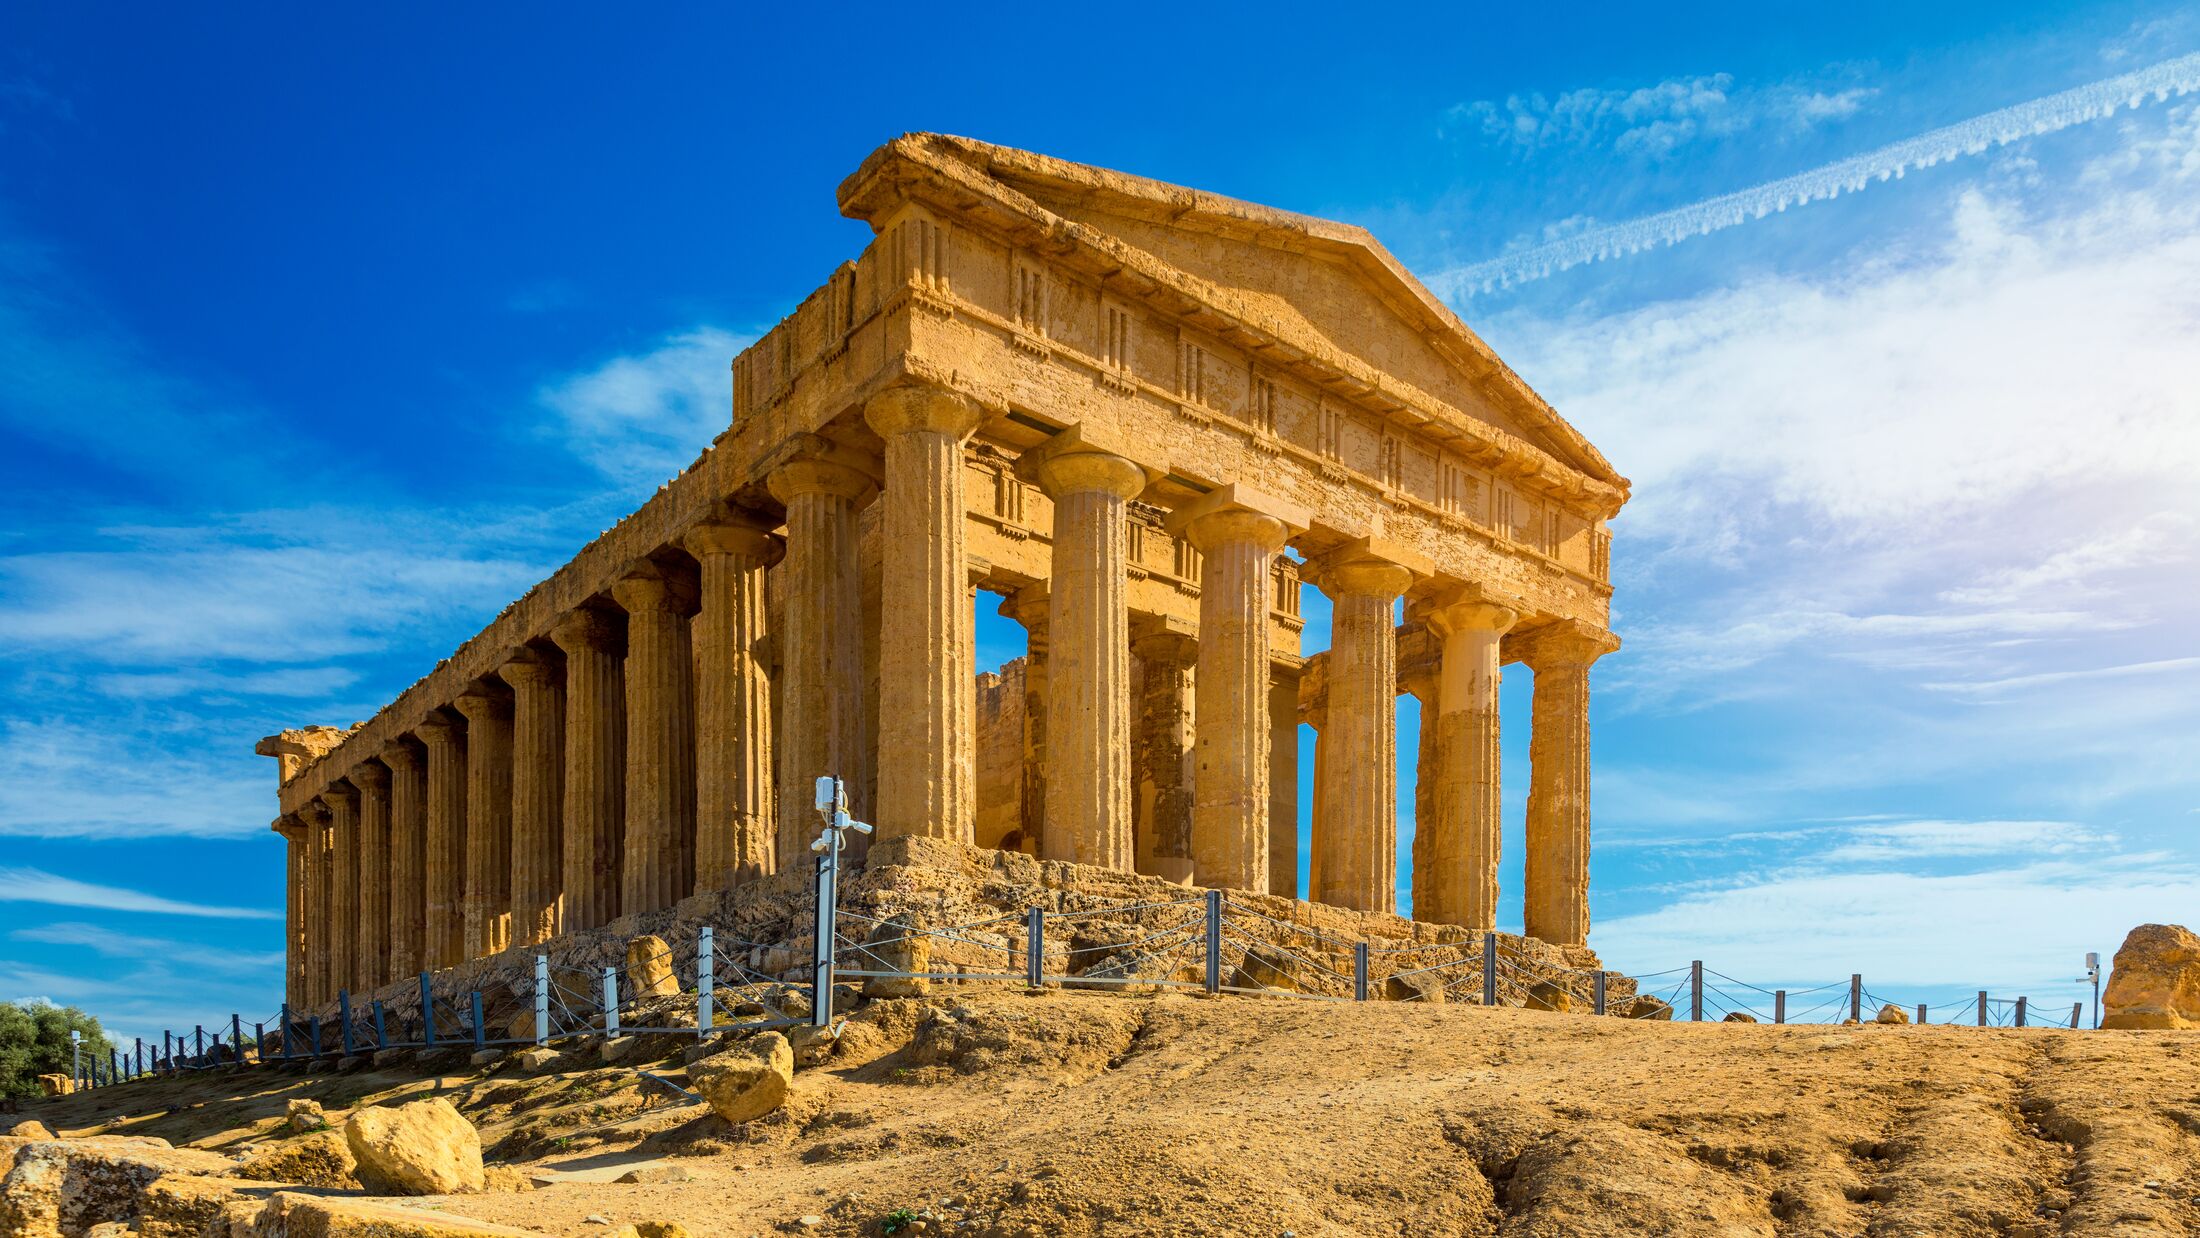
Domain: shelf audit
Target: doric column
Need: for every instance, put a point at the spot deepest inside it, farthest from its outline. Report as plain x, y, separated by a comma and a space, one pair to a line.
1029, 607
408, 857
1558, 782
487, 904
821, 654
595, 766
660, 743
343, 806
1317, 717
1163, 745
1360, 848
1466, 825
443, 943
735, 836
927, 762
320, 927
1238, 534
1283, 783
1088, 780
1425, 689
538, 794
295, 908
371, 949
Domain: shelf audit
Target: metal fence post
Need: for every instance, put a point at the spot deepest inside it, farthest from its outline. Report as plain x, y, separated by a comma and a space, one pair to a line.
481, 1033
2020, 1010
821, 954
114, 1065
706, 976
427, 1012
259, 1043
1035, 946
1695, 991
1489, 969
1921, 1013
381, 1031
542, 998
1982, 1007
610, 1001
1214, 941
1359, 971
1856, 997
1779, 1005
236, 1036
314, 1030
1596, 993
198, 1037
140, 1068
167, 1054
2075, 1009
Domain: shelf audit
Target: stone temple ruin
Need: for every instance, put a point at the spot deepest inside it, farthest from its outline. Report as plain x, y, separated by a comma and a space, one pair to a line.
1143, 417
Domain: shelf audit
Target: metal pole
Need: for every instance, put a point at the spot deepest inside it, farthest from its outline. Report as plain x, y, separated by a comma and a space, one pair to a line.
259, 1043
1596, 993
198, 1042
1035, 946
381, 1033
1856, 997
236, 1036
313, 1029
1921, 1013
285, 1013
1982, 1007
706, 972
343, 1018
1214, 941
1779, 1005
821, 953
427, 1012
1695, 990
481, 1034
1359, 971
542, 996
167, 1053
2021, 1002
610, 1001
2076, 1009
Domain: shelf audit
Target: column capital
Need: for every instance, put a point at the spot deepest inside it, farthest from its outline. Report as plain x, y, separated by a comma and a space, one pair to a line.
1564, 643
438, 733
370, 776
482, 703
316, 814
813, 475
1238, 513
1164, 638
290, 825
340, 794
1368, 567
648, 588
742, 539
397, 753
920, 408
1028, 606
586, 629
1471, 615
529, 667
1085, 459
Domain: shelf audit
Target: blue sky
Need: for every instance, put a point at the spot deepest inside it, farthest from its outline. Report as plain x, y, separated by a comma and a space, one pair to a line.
323, 337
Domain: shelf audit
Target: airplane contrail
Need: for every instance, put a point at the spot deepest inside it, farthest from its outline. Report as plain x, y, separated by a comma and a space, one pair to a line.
1998, 128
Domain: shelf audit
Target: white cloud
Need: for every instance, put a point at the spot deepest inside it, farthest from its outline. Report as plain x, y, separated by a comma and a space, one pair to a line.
1656, 120
643, 417
30, 885
132, 778
108, 942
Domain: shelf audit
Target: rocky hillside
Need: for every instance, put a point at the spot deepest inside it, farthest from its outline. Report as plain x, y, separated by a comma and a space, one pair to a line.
986, 1112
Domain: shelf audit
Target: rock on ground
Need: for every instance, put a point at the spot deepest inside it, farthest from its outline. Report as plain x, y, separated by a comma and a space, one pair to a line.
30, 1128
67, 1186
2156, 980
1892, 1014
899, 943
747, 1081
649, 968
306, 1115
322, 1158
423, 1148
290, 1215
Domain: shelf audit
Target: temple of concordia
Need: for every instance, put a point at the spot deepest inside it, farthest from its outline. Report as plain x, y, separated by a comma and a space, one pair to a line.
1144, 418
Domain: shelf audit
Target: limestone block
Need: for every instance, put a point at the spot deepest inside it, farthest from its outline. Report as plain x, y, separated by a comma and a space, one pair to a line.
649, 968
188, 1205
30, 1128
423, 1148
897, 944
290, 1215
305, 1115
1265, 967
56, 1085
2155, 982
537, 1060
320, 1159
1426, 988
748, 1080
69, 1185
1544, 995
1736, 1016
1654, 1008
1892, 1014
812, 1044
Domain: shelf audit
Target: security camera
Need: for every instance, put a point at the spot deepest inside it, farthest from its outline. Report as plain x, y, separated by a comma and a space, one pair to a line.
828, 793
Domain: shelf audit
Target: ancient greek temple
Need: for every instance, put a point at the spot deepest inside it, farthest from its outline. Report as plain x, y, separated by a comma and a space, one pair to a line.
1139, 419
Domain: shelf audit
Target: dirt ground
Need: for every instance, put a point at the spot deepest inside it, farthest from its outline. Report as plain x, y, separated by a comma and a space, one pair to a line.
998, 1113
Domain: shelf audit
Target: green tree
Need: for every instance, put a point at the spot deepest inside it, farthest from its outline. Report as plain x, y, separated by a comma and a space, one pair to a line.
34, 1041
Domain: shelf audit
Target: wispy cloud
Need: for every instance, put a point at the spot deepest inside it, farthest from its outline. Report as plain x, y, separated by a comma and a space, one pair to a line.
30, 885
1977, 135
133, 778
111, 944
642, 417
1653, 121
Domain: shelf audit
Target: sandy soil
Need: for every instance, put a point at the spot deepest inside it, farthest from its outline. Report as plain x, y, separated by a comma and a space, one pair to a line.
998, 1113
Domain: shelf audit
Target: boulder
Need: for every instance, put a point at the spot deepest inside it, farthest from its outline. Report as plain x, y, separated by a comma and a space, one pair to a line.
748, 1080
656, 1175
188, 1205
1547, 995
506, 1180
56, 1085
1892, 1014
321, 1158
291, 1215
306, 1115
649, 968
898, 944
30, 1128
1644, 1007
1736, 1016
423, 1148
537, 1060
1266, 967
1425, 987
66, 1186
651, 1229
2155, 983
811, 1044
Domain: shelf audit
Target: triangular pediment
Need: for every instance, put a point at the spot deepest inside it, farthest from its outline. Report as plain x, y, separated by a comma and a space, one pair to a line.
1311, 278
